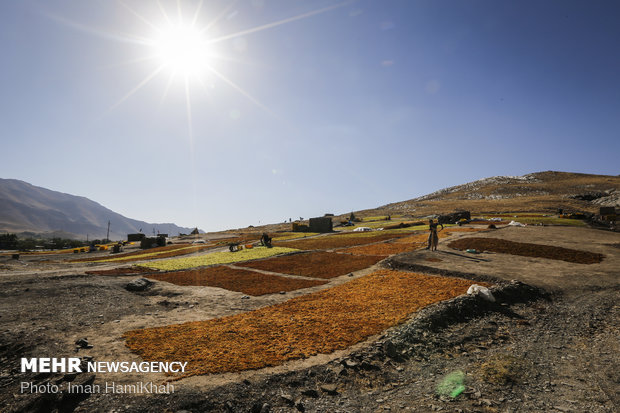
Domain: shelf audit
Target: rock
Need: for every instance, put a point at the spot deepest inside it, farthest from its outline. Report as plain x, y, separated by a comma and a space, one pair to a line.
369, 366
84, 379
139, 284
300, 407
265, 408
350, 364
310, 393
288, 399
83, 343
282, 292
73, 399
390, 350
331, 389
69, 377
245, 297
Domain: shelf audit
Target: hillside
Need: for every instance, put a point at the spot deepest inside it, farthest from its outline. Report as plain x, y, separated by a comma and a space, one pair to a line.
541, 191
28, 208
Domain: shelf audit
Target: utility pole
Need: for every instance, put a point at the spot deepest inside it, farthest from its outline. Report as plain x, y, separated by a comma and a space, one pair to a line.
107, 237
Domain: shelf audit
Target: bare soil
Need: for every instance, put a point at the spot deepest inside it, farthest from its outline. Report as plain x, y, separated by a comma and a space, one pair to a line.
550, 344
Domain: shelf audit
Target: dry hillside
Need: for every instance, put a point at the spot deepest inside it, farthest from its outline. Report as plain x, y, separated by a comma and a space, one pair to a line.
541, 192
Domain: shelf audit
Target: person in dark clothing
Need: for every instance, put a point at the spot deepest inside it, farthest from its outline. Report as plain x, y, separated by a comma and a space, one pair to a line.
265, 239
433, 238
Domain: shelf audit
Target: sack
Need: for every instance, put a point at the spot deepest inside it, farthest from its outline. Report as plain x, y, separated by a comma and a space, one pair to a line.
483, 292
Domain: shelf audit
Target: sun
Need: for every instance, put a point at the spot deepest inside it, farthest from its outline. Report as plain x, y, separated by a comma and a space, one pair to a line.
182, 50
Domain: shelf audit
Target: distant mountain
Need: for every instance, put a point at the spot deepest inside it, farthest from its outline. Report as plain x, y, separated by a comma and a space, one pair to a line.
540, 191
28, 208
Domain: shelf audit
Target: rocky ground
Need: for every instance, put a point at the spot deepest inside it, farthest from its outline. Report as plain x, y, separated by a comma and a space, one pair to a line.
548, 345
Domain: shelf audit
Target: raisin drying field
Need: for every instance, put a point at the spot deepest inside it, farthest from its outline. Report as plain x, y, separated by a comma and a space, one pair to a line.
355, 322
318, 264
320, 322
527, 250
235, 279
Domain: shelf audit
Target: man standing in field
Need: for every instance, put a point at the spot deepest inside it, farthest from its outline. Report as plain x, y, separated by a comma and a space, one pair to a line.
433, 238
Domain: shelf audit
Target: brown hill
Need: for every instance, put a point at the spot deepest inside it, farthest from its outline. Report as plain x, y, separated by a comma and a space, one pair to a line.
540, 192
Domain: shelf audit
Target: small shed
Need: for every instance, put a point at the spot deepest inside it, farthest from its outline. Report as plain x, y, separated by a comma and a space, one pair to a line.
321, 224
135, 237
608, 213
152, 242
454, 217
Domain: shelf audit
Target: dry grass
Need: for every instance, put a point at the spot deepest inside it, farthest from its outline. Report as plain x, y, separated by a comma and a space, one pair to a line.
527, 250
502, 369
321, 322
314, 264
235, 279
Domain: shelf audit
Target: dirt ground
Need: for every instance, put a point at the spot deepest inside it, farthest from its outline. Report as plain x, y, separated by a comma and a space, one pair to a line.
553, 349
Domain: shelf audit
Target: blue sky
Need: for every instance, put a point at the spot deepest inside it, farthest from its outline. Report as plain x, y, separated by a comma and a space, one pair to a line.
330, 107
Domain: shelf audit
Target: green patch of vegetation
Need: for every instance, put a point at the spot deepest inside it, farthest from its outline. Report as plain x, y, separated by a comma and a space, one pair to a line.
13, 242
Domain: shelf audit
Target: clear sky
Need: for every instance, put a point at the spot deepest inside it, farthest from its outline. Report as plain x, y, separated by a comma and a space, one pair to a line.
222, 114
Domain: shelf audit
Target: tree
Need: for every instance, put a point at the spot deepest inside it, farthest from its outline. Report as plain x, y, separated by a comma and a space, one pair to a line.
8, 241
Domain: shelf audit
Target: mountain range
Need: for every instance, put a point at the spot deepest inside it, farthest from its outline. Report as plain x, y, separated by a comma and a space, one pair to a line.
42, 212
25, 208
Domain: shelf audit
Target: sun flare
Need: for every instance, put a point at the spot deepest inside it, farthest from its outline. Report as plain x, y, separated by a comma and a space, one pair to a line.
183, 50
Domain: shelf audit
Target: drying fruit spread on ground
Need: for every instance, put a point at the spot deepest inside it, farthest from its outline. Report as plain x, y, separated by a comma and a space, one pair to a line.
235, 279
318, 264
321, 322
383, 249
526, 249
338, 241
224, 257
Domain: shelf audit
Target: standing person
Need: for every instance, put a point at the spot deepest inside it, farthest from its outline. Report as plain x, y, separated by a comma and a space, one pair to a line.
433, 238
